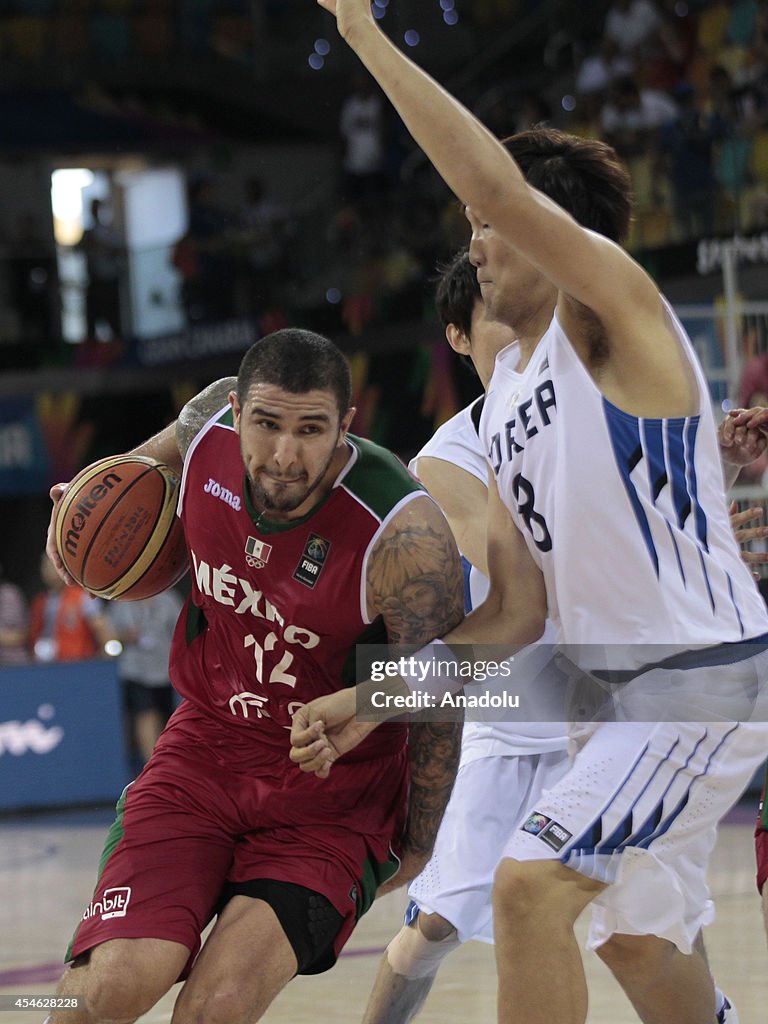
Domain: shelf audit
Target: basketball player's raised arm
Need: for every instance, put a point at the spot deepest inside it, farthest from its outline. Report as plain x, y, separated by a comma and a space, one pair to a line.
587, 268
482, 174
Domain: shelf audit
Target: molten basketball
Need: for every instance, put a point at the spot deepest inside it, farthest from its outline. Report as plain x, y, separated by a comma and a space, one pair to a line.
116, 528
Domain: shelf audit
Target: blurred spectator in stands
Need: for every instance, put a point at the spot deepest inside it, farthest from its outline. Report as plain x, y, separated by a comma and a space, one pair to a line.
738, 104
632, 25
738, 107
632, 116
267, 227
104, 252
345, 232
13, 623
66, 623
504, 109
742, 22
603, 63
532, 109
687, 145
759, 44
33, 281
204, 256
753, 390
666, 67
145, 628
363, 133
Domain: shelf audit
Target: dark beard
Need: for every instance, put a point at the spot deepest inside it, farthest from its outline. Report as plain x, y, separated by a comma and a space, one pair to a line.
264, 503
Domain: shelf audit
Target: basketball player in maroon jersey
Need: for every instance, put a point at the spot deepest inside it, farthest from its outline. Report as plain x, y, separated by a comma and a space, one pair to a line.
303, 540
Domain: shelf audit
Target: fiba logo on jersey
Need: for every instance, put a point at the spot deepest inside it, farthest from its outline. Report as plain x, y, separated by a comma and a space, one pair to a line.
317, 547
257, 553
312, 560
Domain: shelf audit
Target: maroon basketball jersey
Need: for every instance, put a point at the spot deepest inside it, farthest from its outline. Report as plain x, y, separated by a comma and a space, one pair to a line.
276, 609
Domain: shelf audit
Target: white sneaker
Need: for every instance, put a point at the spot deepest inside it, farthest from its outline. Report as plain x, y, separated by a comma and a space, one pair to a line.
728, 1013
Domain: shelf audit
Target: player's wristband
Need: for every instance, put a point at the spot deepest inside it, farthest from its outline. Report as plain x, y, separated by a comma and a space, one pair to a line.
431, 670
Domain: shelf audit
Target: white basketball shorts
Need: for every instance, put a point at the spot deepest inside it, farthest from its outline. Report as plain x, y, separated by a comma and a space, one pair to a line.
638, 810
489, 799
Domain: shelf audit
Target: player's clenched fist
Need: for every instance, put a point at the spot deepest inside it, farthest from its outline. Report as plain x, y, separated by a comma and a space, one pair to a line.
324, 729
743, 435
350, 14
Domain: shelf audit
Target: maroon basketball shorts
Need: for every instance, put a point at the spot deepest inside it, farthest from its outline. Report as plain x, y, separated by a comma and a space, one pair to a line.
189, 825
761, 837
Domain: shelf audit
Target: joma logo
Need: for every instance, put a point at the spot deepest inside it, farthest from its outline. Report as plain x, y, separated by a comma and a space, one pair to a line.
223, 494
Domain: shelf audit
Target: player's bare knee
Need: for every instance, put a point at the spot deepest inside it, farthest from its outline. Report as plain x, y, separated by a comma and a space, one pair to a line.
524, 889
71, 985
121, 980
224, 1004
517, 889
636, 954
113, 999
434, 927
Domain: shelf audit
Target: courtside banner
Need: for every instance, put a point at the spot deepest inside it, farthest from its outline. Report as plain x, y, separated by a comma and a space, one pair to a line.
61, 735
24, 462
566, 683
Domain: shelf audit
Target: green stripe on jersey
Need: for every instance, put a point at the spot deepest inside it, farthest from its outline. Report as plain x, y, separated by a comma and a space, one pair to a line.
763, 818
378, 478
375, 873
114, 836
227, 418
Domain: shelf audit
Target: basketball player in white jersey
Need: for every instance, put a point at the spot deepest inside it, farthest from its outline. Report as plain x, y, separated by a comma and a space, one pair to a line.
607, 515
504, 764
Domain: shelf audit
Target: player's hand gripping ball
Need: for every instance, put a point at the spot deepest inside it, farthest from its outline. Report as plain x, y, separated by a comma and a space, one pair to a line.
116, 528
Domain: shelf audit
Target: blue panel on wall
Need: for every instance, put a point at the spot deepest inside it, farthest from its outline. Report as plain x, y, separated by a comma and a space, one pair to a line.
61, 739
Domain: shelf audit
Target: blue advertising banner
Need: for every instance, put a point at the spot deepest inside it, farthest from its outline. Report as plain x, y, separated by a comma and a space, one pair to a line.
201, 341
61, 738
23, 453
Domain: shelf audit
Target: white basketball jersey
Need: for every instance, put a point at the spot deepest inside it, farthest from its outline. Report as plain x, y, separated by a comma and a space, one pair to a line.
625, 516
457, 441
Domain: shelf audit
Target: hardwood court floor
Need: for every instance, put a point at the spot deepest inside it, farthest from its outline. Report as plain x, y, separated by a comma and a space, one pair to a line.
47, 870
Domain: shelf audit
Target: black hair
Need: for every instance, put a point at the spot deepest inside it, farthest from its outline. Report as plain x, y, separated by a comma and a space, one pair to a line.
584, 176
456, 295
297, 361
457, 292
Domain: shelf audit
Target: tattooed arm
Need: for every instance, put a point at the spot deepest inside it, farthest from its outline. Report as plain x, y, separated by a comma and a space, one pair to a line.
414, 579
415, 583
199, 410
433, 757
171, 444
